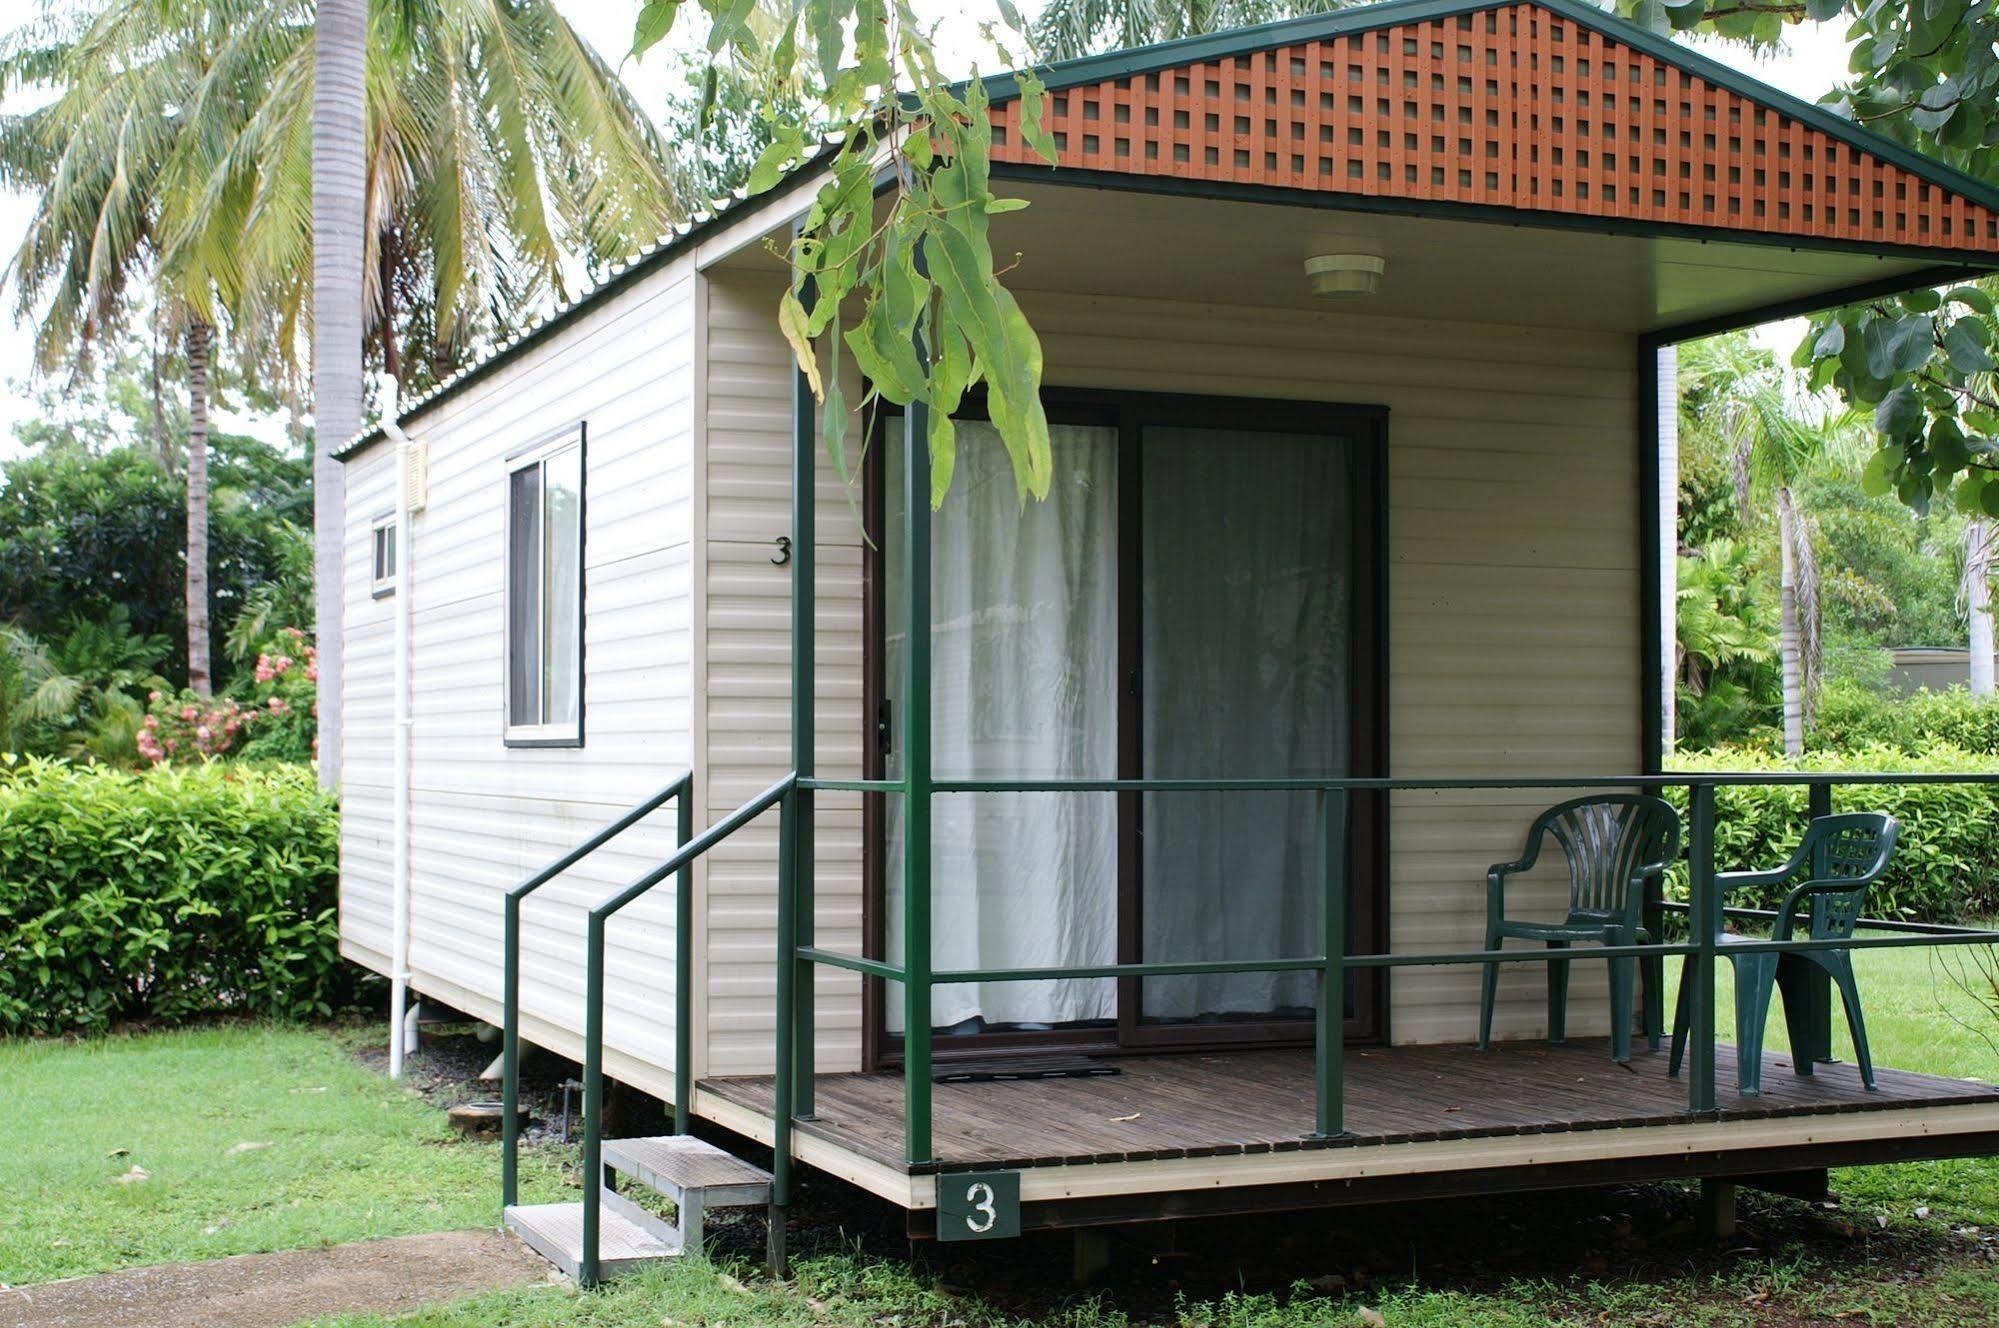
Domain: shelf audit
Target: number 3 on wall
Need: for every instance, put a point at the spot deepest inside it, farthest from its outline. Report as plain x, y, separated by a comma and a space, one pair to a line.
978, 1205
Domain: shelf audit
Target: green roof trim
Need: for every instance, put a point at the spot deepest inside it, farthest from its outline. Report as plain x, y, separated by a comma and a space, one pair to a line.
1393, 13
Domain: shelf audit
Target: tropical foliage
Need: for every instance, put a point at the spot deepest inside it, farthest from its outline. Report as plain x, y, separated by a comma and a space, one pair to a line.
1946, 867
185, 891
1926, 74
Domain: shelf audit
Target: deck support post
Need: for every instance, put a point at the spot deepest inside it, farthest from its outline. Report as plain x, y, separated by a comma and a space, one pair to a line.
785, 1088
1329, 1059
1701, 971
916, 955
1714, 1209
804, 711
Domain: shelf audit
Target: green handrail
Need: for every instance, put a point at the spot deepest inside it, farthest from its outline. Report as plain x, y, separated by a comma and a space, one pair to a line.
681, 864
510, 1019
1332, 962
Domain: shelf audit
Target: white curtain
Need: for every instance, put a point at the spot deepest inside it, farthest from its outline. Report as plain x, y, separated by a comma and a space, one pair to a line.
1246, 604
1024, 655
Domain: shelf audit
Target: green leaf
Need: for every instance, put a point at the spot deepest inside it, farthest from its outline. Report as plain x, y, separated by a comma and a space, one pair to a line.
1923, 301
995, 206
1898, 346
1877, 478
1831, 341
1972, 297
1823, 11
1935, 107
1948, 450
1900, 415
771, 162
1967, 346
655, 21
791, 321
1033, 112
729, 19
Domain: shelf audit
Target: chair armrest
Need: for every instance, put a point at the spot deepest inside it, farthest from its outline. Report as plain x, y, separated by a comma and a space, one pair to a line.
1787, 912
1739, 880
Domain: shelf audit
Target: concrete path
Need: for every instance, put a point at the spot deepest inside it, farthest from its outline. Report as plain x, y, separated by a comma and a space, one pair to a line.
278, 1290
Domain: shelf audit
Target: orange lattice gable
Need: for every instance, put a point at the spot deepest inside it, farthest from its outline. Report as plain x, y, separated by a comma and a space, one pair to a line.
1530, 106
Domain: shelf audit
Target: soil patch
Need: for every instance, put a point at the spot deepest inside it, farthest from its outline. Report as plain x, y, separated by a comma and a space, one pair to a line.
276, 1290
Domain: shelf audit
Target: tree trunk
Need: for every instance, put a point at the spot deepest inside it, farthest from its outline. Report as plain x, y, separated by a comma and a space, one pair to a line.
162, 442
1793, 654
200, 338
1978, 601
339, 183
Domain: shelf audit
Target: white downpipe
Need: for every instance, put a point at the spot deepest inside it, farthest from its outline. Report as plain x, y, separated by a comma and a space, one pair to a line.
402, 1011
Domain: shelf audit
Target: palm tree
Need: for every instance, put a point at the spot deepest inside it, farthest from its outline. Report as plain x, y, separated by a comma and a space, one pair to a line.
109, 155
1773, 439
498, 150
1069, 28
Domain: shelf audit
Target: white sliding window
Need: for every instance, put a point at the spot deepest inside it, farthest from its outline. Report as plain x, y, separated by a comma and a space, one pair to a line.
545, 595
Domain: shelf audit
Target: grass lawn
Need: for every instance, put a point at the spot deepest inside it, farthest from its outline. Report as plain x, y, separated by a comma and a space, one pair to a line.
365, 1158
1901, 1248
248, 1137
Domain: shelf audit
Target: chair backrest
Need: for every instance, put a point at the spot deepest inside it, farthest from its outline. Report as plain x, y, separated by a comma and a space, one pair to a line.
1611, 840
1841, 855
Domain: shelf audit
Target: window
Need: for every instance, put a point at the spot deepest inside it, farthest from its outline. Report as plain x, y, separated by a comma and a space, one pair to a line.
382, 579
545, 594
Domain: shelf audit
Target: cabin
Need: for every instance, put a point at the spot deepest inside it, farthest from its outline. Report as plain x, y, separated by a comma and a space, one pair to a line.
982, 857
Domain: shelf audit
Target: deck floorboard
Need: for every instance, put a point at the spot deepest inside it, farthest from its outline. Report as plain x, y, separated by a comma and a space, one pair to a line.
1216, 1103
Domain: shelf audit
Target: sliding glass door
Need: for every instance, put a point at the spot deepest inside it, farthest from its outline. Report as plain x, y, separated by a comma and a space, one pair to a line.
1246, 642
1196, 598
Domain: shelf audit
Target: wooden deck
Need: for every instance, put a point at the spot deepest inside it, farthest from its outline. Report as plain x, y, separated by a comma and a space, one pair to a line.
1259, 1102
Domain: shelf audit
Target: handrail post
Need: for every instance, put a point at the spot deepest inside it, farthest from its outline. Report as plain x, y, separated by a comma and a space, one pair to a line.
510, 1057
1817, 981
593, 1098
804, 684
683, 963
786, 1087
916, 954
1329, 1060
1702, 920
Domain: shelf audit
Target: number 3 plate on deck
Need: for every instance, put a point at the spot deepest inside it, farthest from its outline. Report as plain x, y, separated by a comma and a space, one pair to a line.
978, 1205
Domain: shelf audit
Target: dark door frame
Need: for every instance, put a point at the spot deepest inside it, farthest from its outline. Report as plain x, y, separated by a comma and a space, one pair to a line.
1131, 413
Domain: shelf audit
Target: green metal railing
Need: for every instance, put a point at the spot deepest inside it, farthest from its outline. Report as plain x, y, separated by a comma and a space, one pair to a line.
680, 793
1703, 909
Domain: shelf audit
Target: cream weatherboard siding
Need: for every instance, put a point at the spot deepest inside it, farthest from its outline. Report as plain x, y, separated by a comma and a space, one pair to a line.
744, 715
1513, 600
1513, 596
483, 815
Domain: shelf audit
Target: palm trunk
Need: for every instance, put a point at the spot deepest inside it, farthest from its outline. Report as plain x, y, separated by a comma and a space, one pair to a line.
1978, 601
200, 338
1793, 653
339, 182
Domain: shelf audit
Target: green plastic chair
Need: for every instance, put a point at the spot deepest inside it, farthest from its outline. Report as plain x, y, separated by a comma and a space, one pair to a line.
1843, 855
1615, 844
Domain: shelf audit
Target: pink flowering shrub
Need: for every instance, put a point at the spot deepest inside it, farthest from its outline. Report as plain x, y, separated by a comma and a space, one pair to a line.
274, 716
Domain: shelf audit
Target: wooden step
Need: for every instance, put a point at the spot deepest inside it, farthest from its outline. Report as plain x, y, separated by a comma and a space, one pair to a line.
555, 1232
680, 1167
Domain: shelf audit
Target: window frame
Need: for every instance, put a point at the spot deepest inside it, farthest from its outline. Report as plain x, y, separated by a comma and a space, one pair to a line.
384, 526
535, 456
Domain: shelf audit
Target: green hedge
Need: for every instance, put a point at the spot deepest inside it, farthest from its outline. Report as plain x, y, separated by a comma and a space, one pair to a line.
180, 892
1852, 716
1946, 866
